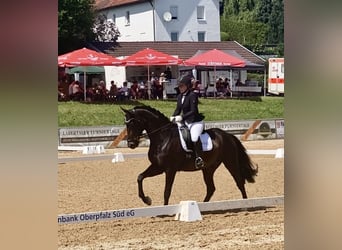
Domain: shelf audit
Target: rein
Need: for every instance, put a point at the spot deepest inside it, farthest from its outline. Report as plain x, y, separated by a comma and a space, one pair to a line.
156, 130
152, 132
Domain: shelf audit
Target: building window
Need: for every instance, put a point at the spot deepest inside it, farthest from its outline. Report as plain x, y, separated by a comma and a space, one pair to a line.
174, 12
201, 36
127, 18
200, 13
114, 18
174, 36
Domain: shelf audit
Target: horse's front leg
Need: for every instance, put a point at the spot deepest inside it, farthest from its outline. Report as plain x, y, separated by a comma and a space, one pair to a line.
152, 170
169, 179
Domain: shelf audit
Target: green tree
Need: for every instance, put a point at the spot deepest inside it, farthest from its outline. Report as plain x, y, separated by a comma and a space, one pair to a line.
264, 8
231, 8
254, 23
276, 22
253, 32
75, 23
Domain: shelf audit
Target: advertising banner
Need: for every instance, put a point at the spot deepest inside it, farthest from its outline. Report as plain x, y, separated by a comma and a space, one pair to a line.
88, 136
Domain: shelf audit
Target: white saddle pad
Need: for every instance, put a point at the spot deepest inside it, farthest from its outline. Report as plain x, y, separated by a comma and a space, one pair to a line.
207, 143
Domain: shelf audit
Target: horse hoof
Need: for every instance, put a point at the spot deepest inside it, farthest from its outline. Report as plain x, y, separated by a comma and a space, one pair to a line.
148, 200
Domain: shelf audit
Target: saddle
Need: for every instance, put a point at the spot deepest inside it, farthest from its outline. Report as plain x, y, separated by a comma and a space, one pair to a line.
185, 137
185, 132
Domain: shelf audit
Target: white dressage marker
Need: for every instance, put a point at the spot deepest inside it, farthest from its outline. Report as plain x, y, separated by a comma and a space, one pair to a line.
189, 211
118, 157
99, 149
279, 153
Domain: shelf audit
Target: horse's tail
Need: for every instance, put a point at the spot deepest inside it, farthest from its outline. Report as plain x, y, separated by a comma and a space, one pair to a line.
248, 169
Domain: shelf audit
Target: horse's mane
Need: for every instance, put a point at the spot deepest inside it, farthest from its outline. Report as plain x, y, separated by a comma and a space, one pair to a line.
154, 111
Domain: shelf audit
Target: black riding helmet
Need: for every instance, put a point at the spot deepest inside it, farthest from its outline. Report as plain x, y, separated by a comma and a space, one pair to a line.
186, 80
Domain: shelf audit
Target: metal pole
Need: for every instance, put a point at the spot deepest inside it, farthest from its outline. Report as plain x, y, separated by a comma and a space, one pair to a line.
264, 82
231, 83
148, 82
215, 81
84, 86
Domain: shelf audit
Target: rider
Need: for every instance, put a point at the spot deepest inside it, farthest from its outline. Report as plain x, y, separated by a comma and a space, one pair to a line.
187, 111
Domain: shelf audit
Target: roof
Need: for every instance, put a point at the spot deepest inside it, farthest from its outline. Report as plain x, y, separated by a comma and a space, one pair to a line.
183, 50
105, 4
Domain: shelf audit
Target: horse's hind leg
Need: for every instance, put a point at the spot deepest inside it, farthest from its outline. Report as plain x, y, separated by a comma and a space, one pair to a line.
241, 186
208, 176
238, 178
149, 172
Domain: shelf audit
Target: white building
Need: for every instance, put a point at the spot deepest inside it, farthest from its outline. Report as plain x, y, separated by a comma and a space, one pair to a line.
163, 20
160, 21
177, 27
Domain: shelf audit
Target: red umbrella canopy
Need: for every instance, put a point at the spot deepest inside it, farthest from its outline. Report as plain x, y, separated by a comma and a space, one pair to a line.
151, 57
87, 57
215, 57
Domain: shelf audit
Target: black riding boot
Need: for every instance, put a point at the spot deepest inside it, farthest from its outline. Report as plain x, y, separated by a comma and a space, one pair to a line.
197, 148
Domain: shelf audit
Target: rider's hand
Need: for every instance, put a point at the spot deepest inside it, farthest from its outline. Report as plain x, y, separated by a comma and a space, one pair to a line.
178, 118
172, 118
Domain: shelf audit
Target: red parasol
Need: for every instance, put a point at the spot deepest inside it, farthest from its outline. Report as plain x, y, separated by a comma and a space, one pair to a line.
149, 57
215, 58
87, 57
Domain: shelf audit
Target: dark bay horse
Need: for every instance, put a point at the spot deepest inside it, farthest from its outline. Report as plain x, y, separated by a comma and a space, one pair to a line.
167, 155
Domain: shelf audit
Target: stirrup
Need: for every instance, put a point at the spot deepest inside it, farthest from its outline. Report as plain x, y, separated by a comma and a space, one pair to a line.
199, 163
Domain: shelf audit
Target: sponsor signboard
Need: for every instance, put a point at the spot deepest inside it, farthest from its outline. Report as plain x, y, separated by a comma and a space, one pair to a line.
87, 136
280, 128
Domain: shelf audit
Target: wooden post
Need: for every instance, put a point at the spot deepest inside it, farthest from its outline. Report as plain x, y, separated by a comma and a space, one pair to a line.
118, 139
250, 130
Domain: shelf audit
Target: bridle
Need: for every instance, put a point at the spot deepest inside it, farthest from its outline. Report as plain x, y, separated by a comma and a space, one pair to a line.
151, 132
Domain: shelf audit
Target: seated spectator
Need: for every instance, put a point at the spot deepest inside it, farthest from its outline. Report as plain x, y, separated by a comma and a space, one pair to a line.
90, 93
124, 92
135, 90
226, 85
61, 96
113, 92
197, 87
220, 89
154, 80
158, 89
77, 92
226, 88
71, 85
238, 82
101, 93
143, 90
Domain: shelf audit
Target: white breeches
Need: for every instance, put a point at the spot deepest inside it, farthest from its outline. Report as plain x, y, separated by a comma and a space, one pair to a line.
196, 129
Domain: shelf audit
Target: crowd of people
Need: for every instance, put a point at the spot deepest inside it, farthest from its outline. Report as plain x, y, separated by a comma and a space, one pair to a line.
98, 92
74, 90
222, 87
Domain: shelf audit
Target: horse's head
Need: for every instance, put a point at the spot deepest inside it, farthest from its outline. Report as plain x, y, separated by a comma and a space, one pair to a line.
134, 126
143, 118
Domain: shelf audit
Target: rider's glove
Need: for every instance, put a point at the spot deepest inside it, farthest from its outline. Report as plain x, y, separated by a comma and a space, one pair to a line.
178, 118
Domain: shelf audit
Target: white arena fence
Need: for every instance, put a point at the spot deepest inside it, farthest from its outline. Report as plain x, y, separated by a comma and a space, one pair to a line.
119, 157
185, 211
